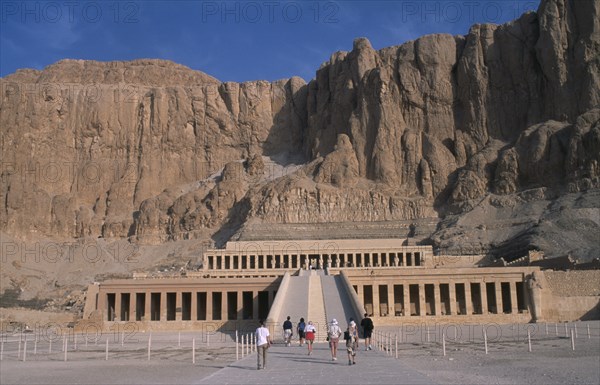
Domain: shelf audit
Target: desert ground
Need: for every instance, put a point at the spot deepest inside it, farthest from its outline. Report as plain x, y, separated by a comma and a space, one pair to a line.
509, 360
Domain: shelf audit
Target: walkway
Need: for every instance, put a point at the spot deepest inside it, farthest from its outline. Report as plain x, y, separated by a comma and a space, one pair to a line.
292, 365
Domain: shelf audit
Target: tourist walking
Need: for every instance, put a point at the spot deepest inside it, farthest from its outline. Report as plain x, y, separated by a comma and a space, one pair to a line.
333, 334
310, 336
287, 331
367, 325
351, 337
300, 329
263, 341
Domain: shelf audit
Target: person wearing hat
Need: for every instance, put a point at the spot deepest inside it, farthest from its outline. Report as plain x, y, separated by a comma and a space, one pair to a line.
351, 337
310, 336
333, 334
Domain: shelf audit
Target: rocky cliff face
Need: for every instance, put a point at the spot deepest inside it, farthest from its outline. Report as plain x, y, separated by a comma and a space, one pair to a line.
153, 151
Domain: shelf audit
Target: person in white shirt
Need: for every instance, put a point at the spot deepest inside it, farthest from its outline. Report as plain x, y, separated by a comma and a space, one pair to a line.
334, 334
263, 341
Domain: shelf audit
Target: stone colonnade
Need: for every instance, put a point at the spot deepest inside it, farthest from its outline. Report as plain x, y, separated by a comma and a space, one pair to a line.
402, 297
148, 300
387, 258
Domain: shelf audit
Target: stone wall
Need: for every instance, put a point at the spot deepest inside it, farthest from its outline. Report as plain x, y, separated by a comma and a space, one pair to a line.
571, 295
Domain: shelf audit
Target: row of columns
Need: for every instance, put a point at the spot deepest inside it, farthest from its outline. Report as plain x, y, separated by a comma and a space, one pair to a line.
295, 261
437, 302
117, 312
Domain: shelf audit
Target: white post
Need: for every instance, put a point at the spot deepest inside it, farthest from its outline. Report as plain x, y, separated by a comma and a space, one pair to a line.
485, 341
575, 327
123, 337
455, 331
529, 340
427, 332
242, 339
35, 346
66, 348
556, 329
566, 331
64, 339
50, 346
237, 347
588, 330
572, 340
1, 348
193, 350
19, 352
106, 351
207, 339
444, 343
75, 342
396, 343
179, 340
149, 345
247, 344
25, 350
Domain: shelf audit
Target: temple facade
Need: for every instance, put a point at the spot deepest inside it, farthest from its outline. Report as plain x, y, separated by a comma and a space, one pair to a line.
392, 282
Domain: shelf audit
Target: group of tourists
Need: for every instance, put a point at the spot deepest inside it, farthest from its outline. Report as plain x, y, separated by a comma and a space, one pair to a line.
306, 333
334, 332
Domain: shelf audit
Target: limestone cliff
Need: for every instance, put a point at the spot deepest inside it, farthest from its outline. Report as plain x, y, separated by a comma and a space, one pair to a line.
434, 128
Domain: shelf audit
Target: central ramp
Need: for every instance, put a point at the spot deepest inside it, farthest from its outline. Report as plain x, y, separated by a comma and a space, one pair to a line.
316, 297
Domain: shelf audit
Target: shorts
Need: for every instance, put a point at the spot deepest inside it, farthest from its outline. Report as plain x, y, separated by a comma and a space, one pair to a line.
287, 333
367, 333
300, 333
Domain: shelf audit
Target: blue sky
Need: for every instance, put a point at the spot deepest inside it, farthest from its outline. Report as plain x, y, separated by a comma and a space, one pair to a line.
230, 40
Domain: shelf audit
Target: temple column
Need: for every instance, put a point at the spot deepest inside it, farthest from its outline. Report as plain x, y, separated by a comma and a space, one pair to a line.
484, 300
406, 304
224, 305
148, 306
255, 304
163, 306
437, 299
468, 299
391, 300
452, 296
376, 303
178, 302
132, 306
514, 304
499, 302
102, 304
422, 304
118, 306
240, 305
194, 306
209, 305
360, 294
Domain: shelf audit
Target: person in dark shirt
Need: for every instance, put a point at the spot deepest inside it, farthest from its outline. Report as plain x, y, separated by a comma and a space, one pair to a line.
287, 331
367, 325
300, 329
